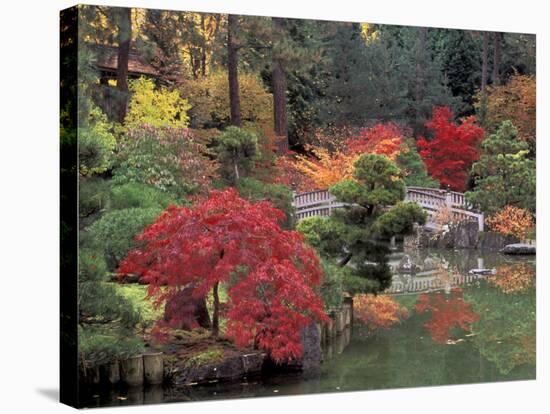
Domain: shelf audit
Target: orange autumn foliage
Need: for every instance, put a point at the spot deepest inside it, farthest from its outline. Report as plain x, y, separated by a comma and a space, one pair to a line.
384, 139
447, 312
325, 167
377, 312
515, 101
513, 221
513, 278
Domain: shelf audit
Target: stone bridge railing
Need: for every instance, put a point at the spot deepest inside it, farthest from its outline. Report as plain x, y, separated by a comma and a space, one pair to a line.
321, 203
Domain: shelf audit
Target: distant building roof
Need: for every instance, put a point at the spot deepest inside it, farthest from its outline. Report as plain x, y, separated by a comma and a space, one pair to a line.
107, 60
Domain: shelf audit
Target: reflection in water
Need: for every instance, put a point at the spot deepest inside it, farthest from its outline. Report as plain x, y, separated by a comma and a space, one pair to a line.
448, 311
461, 328
512, 278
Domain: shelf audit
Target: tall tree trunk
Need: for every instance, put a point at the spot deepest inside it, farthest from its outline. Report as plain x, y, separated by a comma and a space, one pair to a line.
203, 47
279, 84
232, 71
124, 39
484, 60
419, 83
496, 59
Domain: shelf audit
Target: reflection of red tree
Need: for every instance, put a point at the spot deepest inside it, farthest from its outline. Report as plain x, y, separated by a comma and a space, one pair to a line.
448, 311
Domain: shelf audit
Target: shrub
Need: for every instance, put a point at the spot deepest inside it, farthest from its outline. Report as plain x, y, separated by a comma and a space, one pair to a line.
114, 233
166, 158
96, 143
136, 195
236, 149
209, 97
94, 198
513, 221
279, 195
156, 107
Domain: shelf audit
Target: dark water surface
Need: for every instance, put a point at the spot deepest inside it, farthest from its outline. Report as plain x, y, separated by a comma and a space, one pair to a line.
460, 328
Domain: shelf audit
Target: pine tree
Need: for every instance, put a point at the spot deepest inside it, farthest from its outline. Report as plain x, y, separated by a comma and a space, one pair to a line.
358, 233
504, 175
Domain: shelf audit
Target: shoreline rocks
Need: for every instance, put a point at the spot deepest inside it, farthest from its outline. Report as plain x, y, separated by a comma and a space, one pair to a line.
519, 249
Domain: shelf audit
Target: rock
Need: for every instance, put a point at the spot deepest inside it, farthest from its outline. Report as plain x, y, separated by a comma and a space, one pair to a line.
183, 311
406, 265
483, 271
234, 365
495, 241
311, 348
429, 264
519, 249
465, 235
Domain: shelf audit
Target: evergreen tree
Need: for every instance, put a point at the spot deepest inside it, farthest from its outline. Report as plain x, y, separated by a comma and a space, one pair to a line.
413, 169
360, 231
504, 175
459, 52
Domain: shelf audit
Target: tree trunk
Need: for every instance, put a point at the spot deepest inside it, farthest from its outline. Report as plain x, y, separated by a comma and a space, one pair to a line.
419, 84
279, 84
216, 312
203, 48
484, 61
232, 71
496, 59
124, 39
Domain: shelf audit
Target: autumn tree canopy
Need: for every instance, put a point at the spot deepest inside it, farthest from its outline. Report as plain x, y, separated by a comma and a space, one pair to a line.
453, 148
270, 273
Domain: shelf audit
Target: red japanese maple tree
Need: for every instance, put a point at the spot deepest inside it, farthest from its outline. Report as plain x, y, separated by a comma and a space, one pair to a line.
270, 273
447, 312
453, 149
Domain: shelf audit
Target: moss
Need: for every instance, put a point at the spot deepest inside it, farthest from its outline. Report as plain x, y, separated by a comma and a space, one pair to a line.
210, 355
135, 294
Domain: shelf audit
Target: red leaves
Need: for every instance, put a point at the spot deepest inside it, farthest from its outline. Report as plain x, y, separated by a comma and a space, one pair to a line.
447, 312
271, 273
384, 139
453, 149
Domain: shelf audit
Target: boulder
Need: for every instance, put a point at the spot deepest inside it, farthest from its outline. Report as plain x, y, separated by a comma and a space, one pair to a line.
311, 348
490, 240
519, 249
406, 265
465, 235
429, 264
234, 365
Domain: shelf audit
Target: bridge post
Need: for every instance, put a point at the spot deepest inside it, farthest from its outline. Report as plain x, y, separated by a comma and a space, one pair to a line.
449, 198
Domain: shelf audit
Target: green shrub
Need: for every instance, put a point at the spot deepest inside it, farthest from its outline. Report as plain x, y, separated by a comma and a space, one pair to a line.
279, 195
97, 345
168, 159
136, 195
236, 149
114, 232
96, 143
332, 288
94, 197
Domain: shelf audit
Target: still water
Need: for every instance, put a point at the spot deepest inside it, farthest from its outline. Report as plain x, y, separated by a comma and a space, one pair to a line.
461, 327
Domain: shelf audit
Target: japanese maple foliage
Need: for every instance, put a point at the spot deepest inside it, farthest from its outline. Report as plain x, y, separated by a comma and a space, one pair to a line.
453, 149
271, 274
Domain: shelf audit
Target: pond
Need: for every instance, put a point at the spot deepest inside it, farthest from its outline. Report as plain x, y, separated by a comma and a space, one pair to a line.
460, 328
